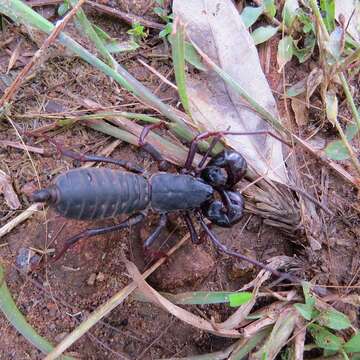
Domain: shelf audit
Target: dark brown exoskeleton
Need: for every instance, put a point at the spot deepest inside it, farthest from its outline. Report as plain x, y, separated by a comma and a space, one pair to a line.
99, 193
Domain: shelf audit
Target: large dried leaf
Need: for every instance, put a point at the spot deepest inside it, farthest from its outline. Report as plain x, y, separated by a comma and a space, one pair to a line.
217, 28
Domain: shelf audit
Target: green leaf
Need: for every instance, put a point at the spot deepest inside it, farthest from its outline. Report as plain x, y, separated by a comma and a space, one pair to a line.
166, 30
290, 12
353, 345
307, 311
138, 32
324, 338
240, 298
270, 8
250, 14
118, 47
305, 19
333, 319
331, 105
351, 130
304, 53
336, 150
309, 299
263, 33
63, 8
285, 51
328, 9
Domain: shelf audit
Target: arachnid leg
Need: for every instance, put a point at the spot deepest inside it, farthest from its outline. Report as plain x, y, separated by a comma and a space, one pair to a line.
85, 158
217, 135
190, 225
156, 232
226, 212
130, 221
154, 153
223, 248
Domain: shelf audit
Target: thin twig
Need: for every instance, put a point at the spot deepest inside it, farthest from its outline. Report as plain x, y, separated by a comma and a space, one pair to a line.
17, 145
19, 219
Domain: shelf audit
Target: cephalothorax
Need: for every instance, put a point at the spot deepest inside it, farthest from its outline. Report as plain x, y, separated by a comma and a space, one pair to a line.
206, 190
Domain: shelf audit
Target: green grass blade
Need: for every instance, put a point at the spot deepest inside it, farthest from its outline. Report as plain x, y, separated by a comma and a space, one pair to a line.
90, 32
196, 297
178, 55
16, 318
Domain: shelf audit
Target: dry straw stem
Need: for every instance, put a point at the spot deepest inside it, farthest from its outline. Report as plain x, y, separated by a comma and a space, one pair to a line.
20, 218
106, 308
18, 145
14, 87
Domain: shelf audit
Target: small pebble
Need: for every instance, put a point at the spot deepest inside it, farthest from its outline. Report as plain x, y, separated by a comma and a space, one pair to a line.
26, 258
91, 279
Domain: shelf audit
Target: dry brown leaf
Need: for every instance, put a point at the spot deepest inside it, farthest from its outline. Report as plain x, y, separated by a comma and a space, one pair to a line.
6, 188
217, 29
300, 110
14, 57
312, 82
175, 310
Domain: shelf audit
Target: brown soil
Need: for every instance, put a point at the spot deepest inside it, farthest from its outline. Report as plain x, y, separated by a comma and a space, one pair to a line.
57, 297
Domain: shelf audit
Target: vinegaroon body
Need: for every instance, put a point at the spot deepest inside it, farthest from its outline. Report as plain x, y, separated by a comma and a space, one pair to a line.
99, 193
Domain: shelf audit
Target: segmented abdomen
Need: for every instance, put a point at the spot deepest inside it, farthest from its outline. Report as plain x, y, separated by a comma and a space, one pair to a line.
99, 193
